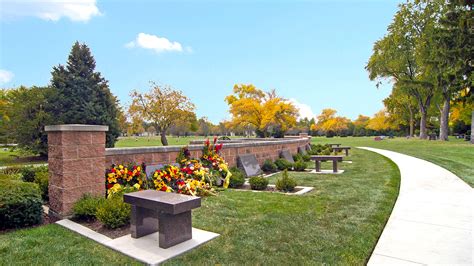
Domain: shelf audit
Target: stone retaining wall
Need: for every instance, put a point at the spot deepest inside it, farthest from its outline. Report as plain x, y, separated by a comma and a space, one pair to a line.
262, 148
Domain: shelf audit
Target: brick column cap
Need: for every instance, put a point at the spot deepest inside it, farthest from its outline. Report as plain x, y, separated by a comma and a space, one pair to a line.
76, 127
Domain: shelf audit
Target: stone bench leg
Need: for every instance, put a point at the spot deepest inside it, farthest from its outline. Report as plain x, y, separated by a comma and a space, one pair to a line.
174, 229
318, 166
347, 152
143, 221
334, 166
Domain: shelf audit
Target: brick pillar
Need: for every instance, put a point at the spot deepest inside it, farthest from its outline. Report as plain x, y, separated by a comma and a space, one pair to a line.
76, 159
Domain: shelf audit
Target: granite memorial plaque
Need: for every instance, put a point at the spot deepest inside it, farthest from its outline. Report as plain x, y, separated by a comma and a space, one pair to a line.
249, 163
150, 169
301, 150
285, 154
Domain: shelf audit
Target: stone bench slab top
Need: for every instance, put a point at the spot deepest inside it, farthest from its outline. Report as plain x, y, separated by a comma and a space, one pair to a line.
166, 202
341, 148
326, 157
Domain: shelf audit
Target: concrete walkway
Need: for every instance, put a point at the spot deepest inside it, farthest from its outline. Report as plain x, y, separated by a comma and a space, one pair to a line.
432, 221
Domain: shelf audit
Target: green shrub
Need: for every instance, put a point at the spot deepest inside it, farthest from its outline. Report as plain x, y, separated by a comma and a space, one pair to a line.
300, 165
28, 173
86, 207
10, 177
237, 179
42, 179
11, 170
258, 183
297, 157
285, 183
269, 166
20, 204
283, 164
306, 157
113, 212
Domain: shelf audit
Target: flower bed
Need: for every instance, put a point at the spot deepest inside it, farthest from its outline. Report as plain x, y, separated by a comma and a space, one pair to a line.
197, 177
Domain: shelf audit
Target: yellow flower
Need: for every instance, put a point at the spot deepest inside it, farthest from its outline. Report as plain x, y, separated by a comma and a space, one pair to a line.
120, 166
139, 168
137, 186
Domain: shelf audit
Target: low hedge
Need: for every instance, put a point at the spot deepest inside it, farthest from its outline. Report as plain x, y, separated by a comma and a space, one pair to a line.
237, 179
113, 212
86, 207
20, 204
258, 183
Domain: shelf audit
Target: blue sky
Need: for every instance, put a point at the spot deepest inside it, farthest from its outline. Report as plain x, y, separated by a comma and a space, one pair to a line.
311, 51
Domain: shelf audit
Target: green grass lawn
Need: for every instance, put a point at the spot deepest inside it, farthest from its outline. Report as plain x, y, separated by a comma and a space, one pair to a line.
337, 223
154, 141
455, 155
54, 245
15, 157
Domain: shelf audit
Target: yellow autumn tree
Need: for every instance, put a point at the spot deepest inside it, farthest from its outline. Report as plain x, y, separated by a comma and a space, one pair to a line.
265, 111
330, 124
160, 106
380, 121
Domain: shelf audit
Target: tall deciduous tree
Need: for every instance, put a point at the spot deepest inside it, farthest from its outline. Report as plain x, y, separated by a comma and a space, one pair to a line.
83, 95
161, 106
402, 107
401, 54
265, 111
450, 56
28, 112
380, 122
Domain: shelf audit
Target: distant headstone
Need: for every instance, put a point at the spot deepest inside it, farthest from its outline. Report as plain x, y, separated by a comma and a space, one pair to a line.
150, 169
249, 163
301, 150
285, 154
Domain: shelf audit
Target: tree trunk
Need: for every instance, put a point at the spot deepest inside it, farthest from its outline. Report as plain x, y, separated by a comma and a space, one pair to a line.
423, 131
412, 124
164, 141
444, 126
472, 127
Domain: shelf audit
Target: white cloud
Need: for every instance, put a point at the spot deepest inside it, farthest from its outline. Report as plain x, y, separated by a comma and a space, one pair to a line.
75, 10
156, 43
304, 109
5, 76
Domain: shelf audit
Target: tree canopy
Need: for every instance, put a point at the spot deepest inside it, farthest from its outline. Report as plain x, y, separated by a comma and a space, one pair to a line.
162, 106
269, 113
82, 95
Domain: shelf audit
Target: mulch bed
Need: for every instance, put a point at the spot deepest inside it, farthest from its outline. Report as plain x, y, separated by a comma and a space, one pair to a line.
99, 228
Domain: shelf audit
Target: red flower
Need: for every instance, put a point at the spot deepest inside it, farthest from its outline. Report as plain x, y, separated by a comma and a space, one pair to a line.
207, 142
163, 188
109, 186
215, 140
113, 170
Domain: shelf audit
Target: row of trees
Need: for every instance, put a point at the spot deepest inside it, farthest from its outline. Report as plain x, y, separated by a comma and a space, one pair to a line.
427, 55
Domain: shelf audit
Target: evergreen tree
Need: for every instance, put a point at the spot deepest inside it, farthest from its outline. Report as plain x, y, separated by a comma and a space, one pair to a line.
83, 95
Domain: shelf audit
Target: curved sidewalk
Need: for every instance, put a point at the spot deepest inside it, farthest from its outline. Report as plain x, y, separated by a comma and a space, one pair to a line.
432, 220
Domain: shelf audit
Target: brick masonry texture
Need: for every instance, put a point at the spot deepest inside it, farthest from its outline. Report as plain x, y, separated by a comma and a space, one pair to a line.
263, 150
76, 166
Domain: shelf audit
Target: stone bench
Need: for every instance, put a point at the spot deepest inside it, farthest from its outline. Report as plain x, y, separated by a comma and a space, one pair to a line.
165, 212
334, 144
323, 158
341, 148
